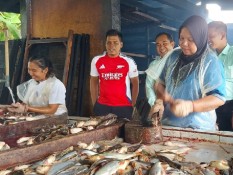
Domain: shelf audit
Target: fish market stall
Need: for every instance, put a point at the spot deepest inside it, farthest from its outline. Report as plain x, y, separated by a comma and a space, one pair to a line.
173, 156
181, 151
20, 126
28, 153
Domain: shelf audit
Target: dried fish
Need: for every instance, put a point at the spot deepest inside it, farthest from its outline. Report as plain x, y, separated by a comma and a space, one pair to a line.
23, 140
75, 130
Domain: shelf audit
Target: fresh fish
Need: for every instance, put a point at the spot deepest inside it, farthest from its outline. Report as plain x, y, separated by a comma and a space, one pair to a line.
169, 162
109, 168
88, 152
119, 155
59, 167
94, 158
108, 148
68, 156
157, 169
175, 172
154, 160
82, 169
64, 152
110, 143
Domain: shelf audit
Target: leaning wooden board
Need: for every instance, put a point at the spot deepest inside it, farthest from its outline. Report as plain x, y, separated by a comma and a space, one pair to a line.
21, 128
24, 155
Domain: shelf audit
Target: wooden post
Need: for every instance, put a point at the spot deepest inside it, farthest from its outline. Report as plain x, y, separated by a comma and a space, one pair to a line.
68, 55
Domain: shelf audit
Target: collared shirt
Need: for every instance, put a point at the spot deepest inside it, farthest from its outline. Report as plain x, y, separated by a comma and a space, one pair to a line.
226, 56
153, 73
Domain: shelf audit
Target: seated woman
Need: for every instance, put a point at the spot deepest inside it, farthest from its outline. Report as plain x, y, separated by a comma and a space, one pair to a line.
191, 85
44, 93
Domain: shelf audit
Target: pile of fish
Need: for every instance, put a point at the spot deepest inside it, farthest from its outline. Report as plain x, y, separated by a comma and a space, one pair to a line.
58, 131
118, 158
14, 118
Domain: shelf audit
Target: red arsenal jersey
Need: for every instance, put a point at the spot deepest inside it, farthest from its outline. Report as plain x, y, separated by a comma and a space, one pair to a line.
114, 78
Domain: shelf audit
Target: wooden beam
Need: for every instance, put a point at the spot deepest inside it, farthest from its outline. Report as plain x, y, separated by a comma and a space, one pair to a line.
68, 55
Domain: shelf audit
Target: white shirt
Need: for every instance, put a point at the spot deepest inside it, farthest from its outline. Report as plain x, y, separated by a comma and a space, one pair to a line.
49, 91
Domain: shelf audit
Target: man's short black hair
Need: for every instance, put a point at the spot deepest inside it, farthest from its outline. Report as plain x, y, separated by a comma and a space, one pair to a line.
169, 36
219, 25
114, 32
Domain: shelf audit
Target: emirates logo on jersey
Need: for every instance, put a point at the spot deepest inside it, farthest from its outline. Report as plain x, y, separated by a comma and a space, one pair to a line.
120, 66
111, 76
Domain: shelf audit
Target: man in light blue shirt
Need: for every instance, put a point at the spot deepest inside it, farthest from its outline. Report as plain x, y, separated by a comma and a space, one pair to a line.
164, 45
217, 33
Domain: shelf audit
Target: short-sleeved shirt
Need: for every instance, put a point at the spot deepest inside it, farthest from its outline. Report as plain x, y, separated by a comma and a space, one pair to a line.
40, 94
226, 56
114, 78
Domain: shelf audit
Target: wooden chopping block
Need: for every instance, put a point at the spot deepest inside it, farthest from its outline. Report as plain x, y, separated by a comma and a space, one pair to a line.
135, 133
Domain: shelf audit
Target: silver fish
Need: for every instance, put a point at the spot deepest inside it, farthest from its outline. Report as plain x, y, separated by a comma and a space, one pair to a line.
157, 169
60, 166
118, 155
109, 168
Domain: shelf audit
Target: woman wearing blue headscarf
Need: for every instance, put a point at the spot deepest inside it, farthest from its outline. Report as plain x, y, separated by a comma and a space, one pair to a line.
191, 85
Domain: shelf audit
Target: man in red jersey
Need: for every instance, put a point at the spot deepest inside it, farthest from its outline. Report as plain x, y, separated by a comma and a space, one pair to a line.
112, 73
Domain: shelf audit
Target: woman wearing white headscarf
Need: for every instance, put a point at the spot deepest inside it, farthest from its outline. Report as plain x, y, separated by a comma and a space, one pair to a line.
191, 85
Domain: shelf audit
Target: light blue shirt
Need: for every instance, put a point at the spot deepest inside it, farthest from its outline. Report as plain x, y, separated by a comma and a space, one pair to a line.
153, 73
226, 56
151, 79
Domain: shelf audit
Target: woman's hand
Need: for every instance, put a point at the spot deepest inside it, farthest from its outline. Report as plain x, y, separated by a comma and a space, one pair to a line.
157, 107
181, 108
18, 108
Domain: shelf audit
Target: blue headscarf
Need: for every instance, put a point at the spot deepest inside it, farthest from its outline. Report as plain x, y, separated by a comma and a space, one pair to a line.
198, 28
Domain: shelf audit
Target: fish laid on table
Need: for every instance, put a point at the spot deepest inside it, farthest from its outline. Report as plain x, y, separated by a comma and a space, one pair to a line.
157, 169
112, 167
119, 159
